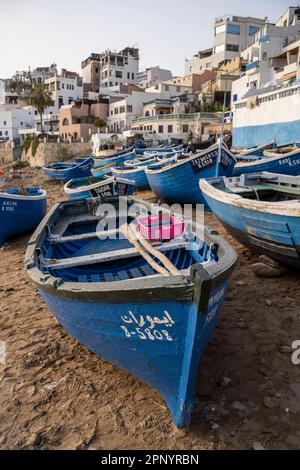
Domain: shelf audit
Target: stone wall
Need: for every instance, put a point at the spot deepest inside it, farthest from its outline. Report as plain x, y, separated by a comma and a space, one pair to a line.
6, 155
51, 152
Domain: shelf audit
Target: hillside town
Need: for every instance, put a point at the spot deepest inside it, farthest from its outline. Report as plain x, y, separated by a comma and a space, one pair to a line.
252, 64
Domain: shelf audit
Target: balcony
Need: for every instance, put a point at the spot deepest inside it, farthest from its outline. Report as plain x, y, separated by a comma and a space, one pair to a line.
252, 66
179, 117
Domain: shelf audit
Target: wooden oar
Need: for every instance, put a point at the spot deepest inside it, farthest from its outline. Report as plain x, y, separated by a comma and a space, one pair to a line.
142, 244
125, 229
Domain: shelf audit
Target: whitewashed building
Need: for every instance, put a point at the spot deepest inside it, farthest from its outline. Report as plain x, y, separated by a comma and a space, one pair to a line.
118, 68
231, 35
266, 100
152, 76
13, 119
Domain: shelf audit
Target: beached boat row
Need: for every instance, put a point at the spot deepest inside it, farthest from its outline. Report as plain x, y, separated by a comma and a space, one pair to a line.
141, 286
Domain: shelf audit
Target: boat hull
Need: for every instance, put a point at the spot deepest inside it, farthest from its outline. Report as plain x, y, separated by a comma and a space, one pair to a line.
75, 171
19, 215
165, 356
263, 232
155, 327
285, 165
137, 175
180, 182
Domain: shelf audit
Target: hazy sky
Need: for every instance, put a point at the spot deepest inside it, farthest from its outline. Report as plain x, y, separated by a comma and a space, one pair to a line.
40, 32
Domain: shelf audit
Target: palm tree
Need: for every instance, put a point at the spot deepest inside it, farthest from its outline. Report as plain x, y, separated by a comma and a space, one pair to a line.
40, 99
99, 123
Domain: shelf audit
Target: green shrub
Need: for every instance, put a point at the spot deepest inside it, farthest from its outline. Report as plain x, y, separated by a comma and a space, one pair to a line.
27, 144
34, 146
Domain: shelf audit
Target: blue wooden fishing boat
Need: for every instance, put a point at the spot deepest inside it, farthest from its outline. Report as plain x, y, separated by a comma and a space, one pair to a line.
281, 161
171, 149
179, 181
21, 210
104, 166
68, 171
148, 308
137, 174
258, 150
101, 186
113, 159
262, 211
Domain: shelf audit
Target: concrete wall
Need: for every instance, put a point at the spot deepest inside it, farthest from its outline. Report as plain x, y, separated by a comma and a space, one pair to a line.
51, 152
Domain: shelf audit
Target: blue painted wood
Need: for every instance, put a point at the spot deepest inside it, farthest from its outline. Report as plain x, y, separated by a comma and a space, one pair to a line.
179, 182
111, 160
98, 186
137, 175
171, 149
67, 171
166, 357
287, 164
154, 327
20, 213
271, 228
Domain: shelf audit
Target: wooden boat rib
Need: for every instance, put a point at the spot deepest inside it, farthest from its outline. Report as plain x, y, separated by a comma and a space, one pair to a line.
152, 325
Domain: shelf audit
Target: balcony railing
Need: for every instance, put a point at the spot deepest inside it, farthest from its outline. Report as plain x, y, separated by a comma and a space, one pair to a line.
252, 65
176, 117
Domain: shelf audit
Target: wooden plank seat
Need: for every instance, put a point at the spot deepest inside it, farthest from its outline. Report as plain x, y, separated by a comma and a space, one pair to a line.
108, 256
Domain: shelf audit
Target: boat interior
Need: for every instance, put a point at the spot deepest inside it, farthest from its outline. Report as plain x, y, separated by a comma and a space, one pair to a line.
262, 186
83, 247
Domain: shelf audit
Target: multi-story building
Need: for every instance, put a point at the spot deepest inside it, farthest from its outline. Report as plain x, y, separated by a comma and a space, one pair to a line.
13, 119
181, 126
192, 81
232, 35
265, 101
152, 76
90, 69
77, 120
199, 62
118, 68
64, 89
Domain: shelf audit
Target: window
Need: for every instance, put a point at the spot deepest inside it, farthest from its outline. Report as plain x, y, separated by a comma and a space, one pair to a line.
4, 123
161, 129
220, 48
63, 85
6, 132
22, 123
128, 75
232, 48
253, 29
220, 29
167, 87
265, 56
235, 98
178, 88
65, 122
185, 128
233, 29
116, 110
132, 76
60, 101
170, 129
129, 108
122, 109
119, 74
70, 100
96, 70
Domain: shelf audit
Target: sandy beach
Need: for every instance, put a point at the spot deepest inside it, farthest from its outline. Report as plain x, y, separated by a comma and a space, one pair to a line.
55, 394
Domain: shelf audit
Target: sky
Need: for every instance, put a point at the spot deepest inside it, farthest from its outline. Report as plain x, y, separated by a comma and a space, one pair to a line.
41, 32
